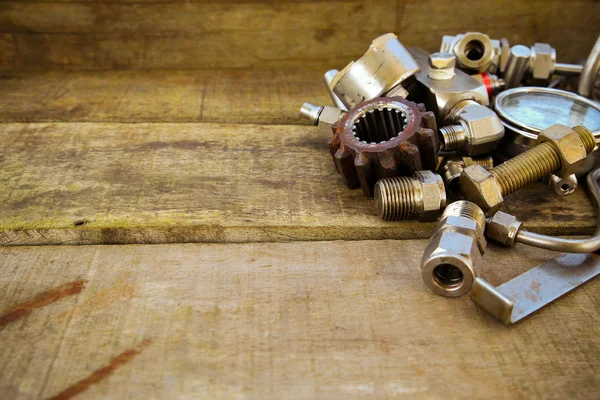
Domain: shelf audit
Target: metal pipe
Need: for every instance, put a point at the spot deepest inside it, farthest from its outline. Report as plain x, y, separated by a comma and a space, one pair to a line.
589, 74
586, 245
568, 69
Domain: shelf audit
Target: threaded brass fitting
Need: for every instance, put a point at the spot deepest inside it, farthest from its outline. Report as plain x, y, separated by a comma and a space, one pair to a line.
421, 196
451, 167
560, 150
453, 258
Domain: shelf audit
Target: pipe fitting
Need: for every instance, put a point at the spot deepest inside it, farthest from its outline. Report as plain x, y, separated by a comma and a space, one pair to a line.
478, 130
474, 51
563, 186
451, 167
454, 256
322, 116
421, 196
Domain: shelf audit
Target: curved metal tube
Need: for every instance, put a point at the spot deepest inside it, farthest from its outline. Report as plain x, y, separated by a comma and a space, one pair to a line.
587, 245
590, 72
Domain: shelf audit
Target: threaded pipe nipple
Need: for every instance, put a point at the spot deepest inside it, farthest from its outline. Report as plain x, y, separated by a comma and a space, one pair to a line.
454, 137
464, 208
396, 198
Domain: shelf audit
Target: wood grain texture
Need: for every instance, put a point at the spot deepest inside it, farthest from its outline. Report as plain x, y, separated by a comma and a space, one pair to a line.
303, 320
266, 96
93, 183
40, 35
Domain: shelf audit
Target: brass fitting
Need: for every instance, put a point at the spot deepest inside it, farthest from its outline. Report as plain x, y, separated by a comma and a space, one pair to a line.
451, 167
502, 228
563, 186
474, 51
421, 196
453, 258
560, 150
477, 129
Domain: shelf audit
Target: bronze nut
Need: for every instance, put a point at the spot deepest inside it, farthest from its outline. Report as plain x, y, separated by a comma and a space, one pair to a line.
433, 194
479, 186
451, 262
502, 228
569, 147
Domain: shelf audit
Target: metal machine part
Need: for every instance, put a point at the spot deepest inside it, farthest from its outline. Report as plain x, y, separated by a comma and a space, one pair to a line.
421, 196
542, 64
517, 65
386, 65
477, 130
560, 150
381, 138
452, 166
526, 111
441, 95
453, 259
522, 296
441, 66
563, 186
322, 116
506, 229
328, 77
589, 75
474, 51
493, 84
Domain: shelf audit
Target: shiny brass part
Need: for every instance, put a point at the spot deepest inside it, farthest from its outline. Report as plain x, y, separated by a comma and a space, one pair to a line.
421, 196
453, 259
560, 150
452, 166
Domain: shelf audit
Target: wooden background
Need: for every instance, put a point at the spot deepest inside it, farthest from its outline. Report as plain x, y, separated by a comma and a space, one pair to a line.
161, 121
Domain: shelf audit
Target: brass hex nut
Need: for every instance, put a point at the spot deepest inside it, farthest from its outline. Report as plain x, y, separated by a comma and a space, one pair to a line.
569, 146
485, 127
474, 51
503, 228
433, 194
479, 186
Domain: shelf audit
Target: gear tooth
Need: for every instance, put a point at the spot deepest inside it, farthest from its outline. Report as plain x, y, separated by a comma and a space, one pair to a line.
427, 141
387, 165
345, 166
410, 159
334, 144
364, 170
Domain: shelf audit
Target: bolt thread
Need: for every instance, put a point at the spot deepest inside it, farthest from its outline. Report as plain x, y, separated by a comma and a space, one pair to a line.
464, 208
486, 162
526, 168
454, 137
397, 198
587, 137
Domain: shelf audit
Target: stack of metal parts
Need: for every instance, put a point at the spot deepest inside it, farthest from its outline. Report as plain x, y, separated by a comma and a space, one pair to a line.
420, 132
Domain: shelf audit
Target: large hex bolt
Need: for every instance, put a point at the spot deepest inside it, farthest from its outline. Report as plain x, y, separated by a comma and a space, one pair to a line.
560, 150
453, 258
422, 196
477, 131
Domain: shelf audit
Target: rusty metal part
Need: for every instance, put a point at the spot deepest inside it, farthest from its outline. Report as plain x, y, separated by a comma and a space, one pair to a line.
322, 116
421, 197
441, 95
506, 229
382, 68
536, 288
452, 166
474, 51
453, 258
560, 150
383, 138
476, 130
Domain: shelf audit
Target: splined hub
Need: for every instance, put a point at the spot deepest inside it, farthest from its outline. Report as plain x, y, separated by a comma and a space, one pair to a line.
383, 138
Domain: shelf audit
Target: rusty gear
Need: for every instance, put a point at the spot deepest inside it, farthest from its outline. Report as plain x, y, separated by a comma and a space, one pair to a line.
383, 138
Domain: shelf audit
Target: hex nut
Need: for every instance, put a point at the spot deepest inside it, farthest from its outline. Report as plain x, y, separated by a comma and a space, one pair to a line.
441, 66
457, 249
569, 147
502, 228
542, 61
474, 51
485, 128
433, 193
479, 186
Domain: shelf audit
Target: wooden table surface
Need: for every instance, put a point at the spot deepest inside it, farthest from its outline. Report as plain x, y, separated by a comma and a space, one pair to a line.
220, 254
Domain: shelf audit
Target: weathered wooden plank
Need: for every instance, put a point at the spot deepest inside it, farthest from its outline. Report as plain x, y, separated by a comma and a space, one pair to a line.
181, 35
266, 96
310, 320
88, 183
